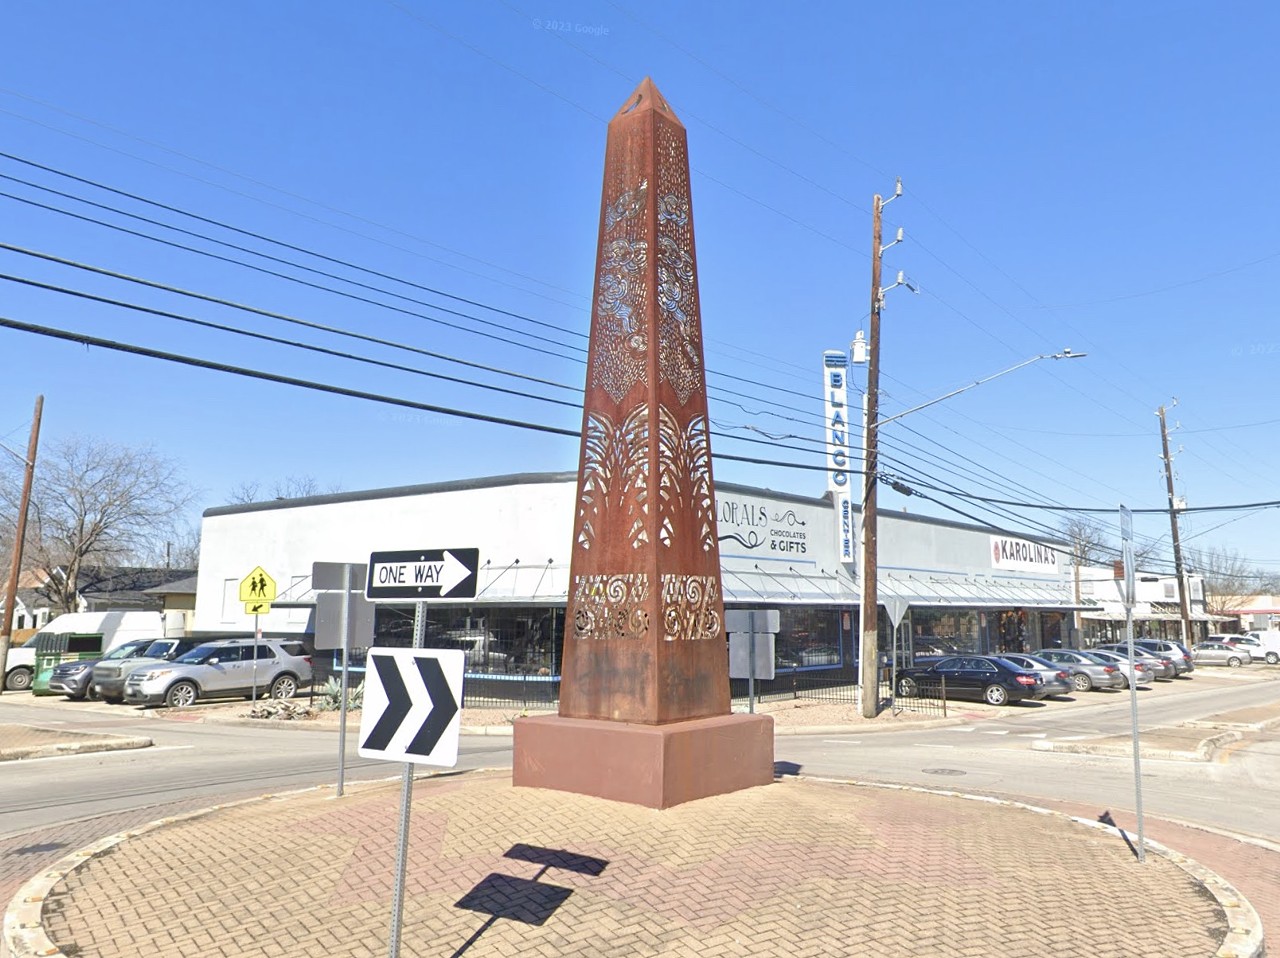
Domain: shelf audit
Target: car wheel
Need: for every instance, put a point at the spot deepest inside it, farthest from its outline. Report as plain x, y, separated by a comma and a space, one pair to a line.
1082, 682
1235, 662
181, 695
1124, 681
19, 680
907, 688
995, 695
1272, 658
284, 687
90, 693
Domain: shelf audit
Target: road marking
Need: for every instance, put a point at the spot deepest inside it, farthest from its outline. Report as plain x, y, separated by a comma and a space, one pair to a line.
958, 728
1075, 738
1032, 734
842, 741
932, 745
988, 731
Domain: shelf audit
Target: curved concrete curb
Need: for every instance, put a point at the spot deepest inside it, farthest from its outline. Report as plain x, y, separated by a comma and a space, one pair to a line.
1204, 752
112, 743
1244, 937
24, 935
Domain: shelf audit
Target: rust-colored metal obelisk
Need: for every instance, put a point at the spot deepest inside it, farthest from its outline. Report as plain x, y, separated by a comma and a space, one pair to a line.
644, 696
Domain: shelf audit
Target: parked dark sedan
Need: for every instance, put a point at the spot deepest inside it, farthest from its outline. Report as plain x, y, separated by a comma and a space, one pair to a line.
988, 678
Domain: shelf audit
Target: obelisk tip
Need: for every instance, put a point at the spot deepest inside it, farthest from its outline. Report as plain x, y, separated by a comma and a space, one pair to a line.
646, 97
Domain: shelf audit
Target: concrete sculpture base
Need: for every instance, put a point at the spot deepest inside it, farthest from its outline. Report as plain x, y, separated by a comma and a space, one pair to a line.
652, 765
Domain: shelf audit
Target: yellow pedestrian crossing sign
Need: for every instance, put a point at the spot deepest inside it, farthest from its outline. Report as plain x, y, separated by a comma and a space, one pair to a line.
257, 586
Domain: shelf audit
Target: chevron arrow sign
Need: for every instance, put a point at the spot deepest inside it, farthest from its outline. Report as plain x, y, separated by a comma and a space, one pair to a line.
411, 705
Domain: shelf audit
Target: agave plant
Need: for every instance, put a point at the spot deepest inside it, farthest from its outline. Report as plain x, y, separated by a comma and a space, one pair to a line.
329, 699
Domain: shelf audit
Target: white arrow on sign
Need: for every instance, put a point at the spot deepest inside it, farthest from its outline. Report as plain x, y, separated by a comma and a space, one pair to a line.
412, 705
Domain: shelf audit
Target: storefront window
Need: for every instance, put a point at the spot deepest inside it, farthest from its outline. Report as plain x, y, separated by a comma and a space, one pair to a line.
524, 640
808, 638
944, 631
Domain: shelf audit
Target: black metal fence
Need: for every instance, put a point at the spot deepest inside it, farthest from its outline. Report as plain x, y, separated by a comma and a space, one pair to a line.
928, 697
799, 685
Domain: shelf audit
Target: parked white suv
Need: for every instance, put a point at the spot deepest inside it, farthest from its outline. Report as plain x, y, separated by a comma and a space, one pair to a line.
225, 668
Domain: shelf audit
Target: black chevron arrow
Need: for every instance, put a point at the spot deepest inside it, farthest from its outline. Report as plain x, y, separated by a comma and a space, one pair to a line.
443, 708
398, 703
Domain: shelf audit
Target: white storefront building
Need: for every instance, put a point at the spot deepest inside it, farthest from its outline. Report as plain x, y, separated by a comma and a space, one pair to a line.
942, 584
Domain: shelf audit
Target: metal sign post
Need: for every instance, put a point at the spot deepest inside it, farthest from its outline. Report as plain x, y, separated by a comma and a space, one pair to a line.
1129, 588
346, 655
406, 807
751, 643
398, 726
257, 637
344, 619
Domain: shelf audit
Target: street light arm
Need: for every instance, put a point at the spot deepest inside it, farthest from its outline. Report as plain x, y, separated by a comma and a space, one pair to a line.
1065, 354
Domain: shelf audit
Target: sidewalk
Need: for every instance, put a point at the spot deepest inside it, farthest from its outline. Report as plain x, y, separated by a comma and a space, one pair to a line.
797, 868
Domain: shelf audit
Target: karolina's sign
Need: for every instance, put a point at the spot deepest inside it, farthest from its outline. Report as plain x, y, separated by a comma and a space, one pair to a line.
1022, 555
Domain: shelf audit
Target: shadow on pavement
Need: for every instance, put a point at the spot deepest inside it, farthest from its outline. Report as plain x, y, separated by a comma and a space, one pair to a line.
525, 900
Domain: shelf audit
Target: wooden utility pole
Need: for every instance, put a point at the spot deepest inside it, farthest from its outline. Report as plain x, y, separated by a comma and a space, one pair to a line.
20, 533
1183, 600
868, 649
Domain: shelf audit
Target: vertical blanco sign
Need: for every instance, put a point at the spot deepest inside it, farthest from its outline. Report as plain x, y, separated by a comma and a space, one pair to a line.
835, 375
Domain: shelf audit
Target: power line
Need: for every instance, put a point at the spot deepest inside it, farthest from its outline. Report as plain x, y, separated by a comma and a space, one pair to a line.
330, 275
87, 340
264, 337
282, 317
267, 239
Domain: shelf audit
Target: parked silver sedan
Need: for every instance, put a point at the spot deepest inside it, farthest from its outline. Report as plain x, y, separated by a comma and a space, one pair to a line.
1143, 669
1087, 671
1219, 653
1057, 680
1162, 666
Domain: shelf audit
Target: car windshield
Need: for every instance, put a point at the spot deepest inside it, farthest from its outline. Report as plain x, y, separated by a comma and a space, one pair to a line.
124, 651
1034, 661
199, 655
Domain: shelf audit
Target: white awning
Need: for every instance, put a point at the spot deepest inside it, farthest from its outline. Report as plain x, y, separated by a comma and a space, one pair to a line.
788, 586
978, 592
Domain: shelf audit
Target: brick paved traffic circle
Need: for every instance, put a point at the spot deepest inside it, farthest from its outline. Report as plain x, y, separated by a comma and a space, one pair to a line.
795, 868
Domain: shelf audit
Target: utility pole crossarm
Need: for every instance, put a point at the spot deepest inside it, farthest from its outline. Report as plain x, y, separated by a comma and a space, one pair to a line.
1065, 354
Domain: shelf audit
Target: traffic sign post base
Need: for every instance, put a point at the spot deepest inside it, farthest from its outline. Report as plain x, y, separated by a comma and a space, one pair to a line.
657, 766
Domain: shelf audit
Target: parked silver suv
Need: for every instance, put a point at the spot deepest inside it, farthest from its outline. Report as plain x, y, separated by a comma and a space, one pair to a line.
224, 668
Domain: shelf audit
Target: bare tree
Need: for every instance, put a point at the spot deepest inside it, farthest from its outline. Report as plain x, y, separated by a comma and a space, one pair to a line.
290, 487
1088, 538
181, 550
97, 503
1228, 579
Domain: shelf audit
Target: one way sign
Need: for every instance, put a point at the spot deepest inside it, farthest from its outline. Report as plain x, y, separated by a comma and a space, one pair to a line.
410, 709
421, 574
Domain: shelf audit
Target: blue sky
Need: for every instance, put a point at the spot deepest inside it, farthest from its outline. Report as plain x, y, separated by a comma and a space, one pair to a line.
1097, 176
